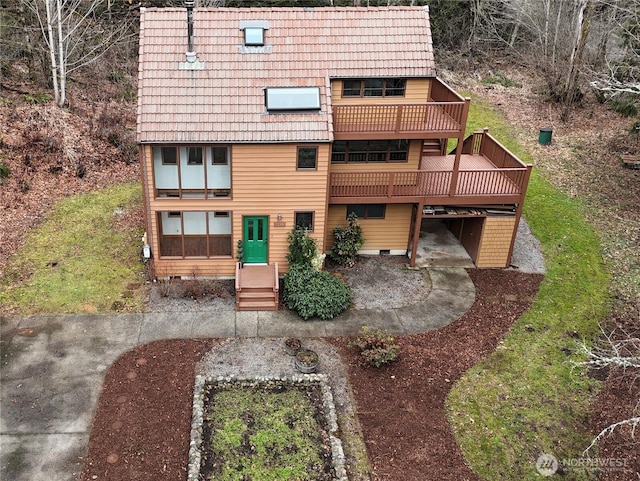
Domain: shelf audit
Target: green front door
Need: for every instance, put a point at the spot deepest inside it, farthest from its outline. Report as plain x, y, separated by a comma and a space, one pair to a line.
255, 239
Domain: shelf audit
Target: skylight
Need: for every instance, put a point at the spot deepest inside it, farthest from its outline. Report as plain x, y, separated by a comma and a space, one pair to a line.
254, 36
292, 98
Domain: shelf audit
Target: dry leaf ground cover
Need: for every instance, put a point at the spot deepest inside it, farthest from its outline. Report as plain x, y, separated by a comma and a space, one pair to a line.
54, 153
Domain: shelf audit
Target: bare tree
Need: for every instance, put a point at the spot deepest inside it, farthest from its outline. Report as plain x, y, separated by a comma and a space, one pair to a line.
76, 34
614, 353
554, 36
609, 85
583, 17
620, 70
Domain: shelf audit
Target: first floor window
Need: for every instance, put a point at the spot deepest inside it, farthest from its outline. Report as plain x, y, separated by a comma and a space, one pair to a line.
304, 220
194, 234
367, 211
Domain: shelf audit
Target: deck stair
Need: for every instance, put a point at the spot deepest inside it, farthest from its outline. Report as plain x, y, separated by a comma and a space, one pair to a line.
433, 147
257, 287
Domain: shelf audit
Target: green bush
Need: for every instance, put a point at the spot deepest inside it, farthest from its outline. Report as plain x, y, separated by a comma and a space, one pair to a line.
625, 105
302, 247
240, 251
376, 346
314, 293
500, 79
37, 98
348, 241
5, 172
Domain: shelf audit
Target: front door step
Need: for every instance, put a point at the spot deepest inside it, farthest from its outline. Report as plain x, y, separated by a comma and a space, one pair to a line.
257, 287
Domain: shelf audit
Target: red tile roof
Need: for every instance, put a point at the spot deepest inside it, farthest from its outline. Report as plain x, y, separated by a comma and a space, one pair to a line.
224, 102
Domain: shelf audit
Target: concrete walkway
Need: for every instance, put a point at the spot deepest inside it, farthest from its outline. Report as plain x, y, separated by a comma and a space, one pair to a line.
52, 367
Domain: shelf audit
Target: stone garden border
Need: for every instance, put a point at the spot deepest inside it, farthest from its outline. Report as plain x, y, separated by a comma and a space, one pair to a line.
197, 418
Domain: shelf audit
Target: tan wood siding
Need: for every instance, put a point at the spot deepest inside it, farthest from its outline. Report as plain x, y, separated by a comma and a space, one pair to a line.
412, 163
265, 182
417, 91
391, 233
495, 243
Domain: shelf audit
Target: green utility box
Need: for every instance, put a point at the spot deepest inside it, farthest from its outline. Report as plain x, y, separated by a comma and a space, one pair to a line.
545, 136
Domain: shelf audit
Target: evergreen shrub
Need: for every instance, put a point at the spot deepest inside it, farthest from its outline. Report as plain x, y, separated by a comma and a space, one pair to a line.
313, 293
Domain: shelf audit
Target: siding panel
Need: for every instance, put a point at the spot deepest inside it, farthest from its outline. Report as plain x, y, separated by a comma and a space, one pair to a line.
496, 241
391, 233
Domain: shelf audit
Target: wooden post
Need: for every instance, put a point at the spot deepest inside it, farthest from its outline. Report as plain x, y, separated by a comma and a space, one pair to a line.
399, 114
416, 234
523, 191
456, 162
483, 135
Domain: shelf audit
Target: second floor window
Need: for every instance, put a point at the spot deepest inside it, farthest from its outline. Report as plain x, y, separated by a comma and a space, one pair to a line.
361, 151
194, 154
307, 157
374, 87
192, 171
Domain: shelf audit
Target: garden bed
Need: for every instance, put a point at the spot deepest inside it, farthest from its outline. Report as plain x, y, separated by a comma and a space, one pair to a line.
265, 429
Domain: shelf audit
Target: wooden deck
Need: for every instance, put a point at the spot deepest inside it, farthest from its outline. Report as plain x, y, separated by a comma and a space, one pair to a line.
477, 175
443, 116
257, 287
403, 120
487, 173
486, 185
446, 162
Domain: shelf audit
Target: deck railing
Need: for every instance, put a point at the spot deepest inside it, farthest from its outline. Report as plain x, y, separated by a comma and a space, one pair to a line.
398, 118
428, 183
441, 92
444, 112
482, 143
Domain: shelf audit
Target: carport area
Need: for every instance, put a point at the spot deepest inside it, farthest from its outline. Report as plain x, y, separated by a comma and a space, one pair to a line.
439, 247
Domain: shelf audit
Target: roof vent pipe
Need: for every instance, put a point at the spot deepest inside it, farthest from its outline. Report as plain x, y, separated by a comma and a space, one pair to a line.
191, 54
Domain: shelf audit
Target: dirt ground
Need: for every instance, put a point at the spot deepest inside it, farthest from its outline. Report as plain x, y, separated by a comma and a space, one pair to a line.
141, 427
383, 283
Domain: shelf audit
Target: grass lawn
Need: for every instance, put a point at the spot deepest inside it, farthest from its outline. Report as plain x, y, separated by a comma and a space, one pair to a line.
527, 398
265, 433
81, 259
